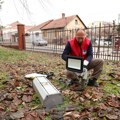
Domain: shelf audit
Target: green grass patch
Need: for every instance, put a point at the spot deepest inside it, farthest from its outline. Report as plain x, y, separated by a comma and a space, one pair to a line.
3, 79
35, 102
20, 106
11, 55
111, 88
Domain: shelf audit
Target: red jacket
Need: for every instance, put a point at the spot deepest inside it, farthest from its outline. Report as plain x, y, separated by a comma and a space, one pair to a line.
79, 50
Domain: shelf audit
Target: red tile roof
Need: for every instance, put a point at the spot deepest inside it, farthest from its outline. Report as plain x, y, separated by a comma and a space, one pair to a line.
27, 28
14, 26
60, 23
38, 27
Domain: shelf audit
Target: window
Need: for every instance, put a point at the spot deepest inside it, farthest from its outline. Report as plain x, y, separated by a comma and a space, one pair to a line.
44, 33
37, 33
76, 22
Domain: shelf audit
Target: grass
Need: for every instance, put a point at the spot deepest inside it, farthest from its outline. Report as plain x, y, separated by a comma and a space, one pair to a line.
3, 79
36, 100
11, 56
47, 63
112, 88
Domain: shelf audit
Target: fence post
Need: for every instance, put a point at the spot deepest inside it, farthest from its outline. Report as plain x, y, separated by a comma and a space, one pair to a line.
98, 49
21, 36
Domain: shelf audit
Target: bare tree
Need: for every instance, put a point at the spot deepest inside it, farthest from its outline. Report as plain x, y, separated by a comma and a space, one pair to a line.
1, 2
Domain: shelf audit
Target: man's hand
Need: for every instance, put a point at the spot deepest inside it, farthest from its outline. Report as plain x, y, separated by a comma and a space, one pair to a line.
85, 63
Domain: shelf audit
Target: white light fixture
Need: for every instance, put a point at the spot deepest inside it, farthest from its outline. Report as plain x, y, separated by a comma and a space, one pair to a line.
48, 94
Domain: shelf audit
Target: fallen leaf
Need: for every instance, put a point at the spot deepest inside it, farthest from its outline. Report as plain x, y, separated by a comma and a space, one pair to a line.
112, 101
102, 113
112, 117
12, 107
2, 108
102, 106
17, 115
29, 117
17, 101
87, 95
27, 98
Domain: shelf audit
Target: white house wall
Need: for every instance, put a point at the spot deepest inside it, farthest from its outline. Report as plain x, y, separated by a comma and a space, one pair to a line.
72, 25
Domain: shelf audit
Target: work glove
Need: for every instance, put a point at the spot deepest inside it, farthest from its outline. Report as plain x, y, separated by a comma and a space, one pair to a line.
85, 63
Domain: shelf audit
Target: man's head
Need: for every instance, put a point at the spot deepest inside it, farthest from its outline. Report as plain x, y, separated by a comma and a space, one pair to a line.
80, 36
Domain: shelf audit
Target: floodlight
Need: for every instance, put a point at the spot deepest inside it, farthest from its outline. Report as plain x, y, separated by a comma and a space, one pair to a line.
74, 64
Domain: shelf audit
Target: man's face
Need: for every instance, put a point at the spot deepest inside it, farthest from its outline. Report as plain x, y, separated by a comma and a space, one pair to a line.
80, 36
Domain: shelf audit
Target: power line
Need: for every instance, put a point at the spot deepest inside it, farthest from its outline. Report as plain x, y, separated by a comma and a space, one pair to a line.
23, 4
26, 8
28, 12
17, 9
43, 4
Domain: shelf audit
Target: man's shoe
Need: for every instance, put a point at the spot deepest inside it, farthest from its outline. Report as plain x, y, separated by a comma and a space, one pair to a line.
96, 84
74, 81
92, 83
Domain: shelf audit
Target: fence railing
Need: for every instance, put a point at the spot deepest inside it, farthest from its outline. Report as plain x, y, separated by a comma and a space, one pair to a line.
105, 41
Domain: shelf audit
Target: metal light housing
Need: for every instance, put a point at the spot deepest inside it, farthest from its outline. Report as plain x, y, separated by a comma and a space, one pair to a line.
48, 94
74, 64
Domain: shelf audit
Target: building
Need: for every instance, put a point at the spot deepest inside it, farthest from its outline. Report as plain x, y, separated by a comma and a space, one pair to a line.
35, 32
10, 31
60, 30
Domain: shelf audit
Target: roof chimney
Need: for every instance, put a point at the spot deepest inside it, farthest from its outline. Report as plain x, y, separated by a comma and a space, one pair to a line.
63, 15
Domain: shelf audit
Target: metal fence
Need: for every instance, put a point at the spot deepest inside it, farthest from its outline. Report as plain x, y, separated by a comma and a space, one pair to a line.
9, 39
105, 41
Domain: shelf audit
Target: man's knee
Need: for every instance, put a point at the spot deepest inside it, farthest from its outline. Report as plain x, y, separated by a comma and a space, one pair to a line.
69, 74
100, 64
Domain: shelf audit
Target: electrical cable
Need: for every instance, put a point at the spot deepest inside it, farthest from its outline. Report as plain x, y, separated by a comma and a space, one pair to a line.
26, 8
17, 9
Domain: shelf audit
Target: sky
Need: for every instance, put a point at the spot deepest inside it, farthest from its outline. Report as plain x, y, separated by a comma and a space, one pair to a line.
34, 12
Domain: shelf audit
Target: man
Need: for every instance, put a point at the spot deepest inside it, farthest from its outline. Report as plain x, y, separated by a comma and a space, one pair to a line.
81, 46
